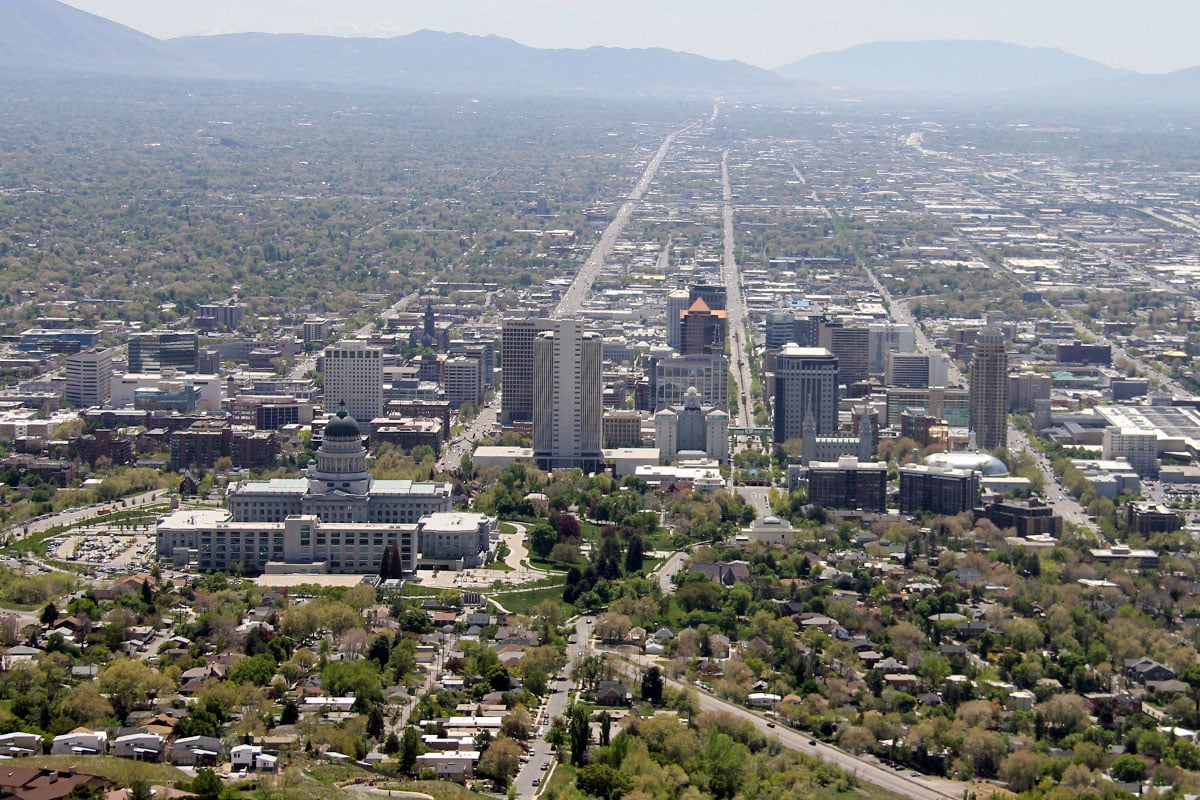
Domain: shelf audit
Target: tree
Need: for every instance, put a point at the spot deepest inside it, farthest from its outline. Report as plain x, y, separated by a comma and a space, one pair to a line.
934, 670
257, 670
139, 790
857, 739
500, 761
343, 678
983, 751
1020, 771
129, 684
390, 565
49, 614
652, 686
290, 714
612, 627
391, 745
206, 785
634, 555
410, 748
517, 724
375, 723
578, 734
601, 780
1064, 714
608, 561
542, 539
725, 760
1128, 769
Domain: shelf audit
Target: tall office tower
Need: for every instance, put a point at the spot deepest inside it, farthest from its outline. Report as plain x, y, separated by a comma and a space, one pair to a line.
482, 351
780, 329
462, 380
670, 378
806, 379
155, 351
516, 366
988, 408
850, 346
567, 404
713, 295
702, 331
354, 376
89, 378
677, 303
907, 370
888, 337
1025, 388
808, 330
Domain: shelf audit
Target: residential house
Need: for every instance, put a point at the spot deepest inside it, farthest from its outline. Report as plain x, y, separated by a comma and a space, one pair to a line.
252, 758
457, 766
19, 744
1145, 669
613, 693
140, 747
18, 654
197, 751
26, 783
80, 742
726, 573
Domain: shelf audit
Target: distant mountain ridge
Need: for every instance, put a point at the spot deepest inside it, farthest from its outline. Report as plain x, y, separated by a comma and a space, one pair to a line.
433, 60
45, 36
40, 35
948, 66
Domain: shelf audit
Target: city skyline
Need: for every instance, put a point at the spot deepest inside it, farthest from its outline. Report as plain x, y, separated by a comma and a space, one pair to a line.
1153, 37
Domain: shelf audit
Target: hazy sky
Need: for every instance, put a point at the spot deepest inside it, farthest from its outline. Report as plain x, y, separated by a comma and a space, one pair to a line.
1146, 35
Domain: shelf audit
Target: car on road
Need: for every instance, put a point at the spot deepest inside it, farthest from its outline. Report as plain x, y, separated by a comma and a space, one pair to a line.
812, 742
536, 781
545, 766
770, 724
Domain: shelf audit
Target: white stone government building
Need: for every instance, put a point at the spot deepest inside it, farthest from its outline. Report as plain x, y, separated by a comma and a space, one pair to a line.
338, 519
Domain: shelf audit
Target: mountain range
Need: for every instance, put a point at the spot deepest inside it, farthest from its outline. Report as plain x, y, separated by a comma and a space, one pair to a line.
41, 36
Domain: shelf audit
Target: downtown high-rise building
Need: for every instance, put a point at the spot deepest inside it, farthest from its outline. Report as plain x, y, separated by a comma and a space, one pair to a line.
702, 330
671, 377
159, 351
806, 381
713, 295
851, 346
677, 303
353, 375
89, 378
516, 365
988, 404
568, 410
907, 370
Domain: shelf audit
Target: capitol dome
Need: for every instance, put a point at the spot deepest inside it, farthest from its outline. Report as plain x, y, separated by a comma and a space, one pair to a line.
981, 462
342, 426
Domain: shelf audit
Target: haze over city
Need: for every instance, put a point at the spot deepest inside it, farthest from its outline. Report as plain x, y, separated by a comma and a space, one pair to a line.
465, 417
1148, 36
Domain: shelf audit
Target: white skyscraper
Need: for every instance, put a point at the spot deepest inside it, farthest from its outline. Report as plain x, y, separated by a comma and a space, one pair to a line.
354, 376
89, 378
567, 407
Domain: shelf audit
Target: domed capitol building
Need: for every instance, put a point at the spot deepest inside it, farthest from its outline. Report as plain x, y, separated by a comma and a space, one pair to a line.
337, 519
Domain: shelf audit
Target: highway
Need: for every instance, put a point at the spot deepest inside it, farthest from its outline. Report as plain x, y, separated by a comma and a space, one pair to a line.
540, 752
863, 768
735, 306
478, 428
573, 298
